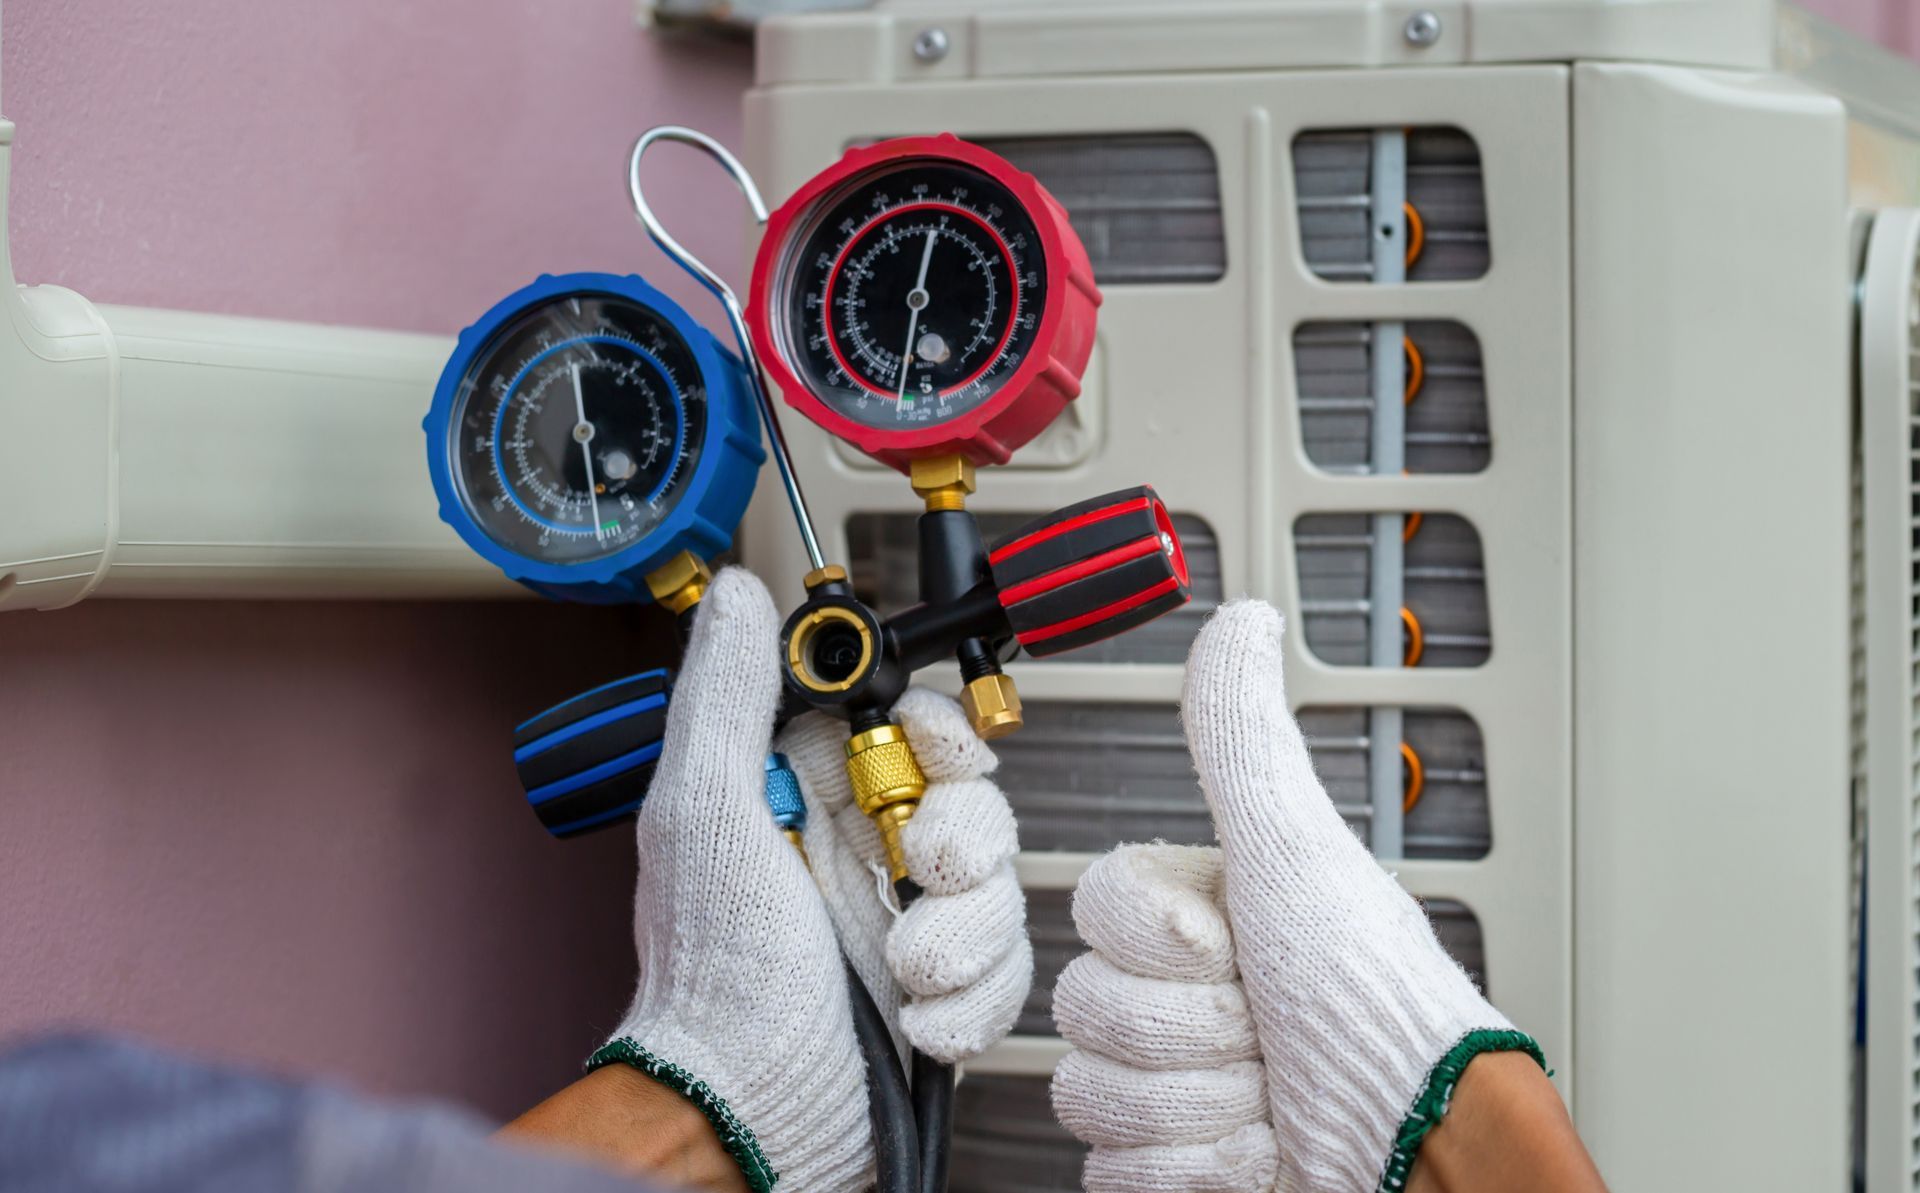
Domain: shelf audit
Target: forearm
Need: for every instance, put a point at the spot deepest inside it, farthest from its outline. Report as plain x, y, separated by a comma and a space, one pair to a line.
1506, 1131
621, 1119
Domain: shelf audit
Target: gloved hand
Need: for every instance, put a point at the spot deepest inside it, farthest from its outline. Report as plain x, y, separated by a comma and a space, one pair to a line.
1362, 1022
1166, 1080
961, 952
742, 1004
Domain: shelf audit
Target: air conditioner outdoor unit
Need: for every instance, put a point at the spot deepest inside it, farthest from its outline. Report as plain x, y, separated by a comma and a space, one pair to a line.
1509, 346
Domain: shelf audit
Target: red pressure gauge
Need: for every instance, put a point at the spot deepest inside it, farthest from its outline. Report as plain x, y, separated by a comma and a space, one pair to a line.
924, 298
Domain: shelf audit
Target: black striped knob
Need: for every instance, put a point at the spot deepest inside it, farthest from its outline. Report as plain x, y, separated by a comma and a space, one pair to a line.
1090, 571
586, 762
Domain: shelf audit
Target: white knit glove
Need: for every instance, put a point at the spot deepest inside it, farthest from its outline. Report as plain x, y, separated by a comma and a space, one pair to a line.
961, 951
1166, 1080
1362, 1020
742, 1004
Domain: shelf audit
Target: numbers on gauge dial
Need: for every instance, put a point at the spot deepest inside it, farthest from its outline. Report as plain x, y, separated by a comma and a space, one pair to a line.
915, 295
578, 428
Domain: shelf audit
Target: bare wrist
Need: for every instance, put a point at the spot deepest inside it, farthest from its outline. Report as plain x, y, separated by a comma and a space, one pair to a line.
619, 1118
1505, 1130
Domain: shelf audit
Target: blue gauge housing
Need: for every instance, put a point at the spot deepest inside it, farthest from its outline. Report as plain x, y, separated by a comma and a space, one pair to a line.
690, 456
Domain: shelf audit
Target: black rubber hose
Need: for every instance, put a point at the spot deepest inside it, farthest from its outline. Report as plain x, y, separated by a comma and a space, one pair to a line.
932, 1092
890, 1108
933, 1110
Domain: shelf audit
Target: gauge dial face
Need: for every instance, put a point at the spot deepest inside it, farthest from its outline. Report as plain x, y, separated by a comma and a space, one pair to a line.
578, 428
913, 295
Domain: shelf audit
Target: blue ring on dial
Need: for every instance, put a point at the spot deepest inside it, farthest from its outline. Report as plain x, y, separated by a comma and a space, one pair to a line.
673, 391
701, 520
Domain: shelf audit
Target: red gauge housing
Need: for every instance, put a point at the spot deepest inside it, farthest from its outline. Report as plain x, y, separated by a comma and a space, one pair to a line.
837, 262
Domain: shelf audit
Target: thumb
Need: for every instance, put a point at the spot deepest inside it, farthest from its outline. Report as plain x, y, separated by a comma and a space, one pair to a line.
1252, 761
720, 720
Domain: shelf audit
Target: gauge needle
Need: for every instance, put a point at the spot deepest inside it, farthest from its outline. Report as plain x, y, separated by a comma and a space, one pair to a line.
916, 302
583, 431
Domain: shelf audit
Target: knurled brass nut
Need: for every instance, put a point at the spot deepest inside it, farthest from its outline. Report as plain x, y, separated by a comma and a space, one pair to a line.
882, 770
992, 705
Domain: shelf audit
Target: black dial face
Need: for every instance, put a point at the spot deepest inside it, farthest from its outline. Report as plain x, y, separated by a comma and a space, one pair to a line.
577, 428
914, 295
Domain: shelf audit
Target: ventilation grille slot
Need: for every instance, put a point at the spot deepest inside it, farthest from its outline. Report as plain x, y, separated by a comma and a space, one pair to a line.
1055, 943
1446, 415
1444, 589
1334, 184
883, 551
1857, 835
1913, 610
1085, 776
1450, 817
1005, 1139
1147, 206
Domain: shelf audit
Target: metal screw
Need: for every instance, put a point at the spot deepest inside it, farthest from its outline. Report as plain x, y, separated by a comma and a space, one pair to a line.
1423, 28
931, 45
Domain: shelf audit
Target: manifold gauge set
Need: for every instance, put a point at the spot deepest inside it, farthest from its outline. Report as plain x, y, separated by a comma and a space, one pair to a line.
920, 299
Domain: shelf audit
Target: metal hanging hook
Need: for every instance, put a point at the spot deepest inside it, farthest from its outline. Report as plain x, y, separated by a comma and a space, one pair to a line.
782, 457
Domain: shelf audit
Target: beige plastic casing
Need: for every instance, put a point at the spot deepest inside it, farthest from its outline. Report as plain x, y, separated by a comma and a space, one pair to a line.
1711, 484
155, 453
1890, 617
1667, 326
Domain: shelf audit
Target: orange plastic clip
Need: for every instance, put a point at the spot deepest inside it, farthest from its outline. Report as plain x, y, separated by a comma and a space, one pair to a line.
1416, 638
1416, 369
1416, 778
1416, 233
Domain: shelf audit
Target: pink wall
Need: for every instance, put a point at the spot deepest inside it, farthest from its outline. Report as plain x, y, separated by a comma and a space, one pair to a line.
1892, 23
395, 163
291, 832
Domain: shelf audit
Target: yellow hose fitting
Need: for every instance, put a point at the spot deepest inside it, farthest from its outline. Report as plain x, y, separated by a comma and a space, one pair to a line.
680, 582
887, 785
992, 704
943, 482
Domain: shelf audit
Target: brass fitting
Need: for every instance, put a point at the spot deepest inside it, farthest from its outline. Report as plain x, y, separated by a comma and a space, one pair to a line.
993, 706
943, 482
680, 582
831, 573
799, 842
887, 785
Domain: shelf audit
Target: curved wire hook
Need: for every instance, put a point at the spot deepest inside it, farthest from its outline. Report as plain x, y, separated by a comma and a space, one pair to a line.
668, 245
782, 458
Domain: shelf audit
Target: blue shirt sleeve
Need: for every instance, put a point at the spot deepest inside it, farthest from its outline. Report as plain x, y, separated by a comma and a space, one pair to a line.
87, 1115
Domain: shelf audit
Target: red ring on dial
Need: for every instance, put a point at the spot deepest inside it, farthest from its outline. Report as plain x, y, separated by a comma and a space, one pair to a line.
833, 275
1028, 400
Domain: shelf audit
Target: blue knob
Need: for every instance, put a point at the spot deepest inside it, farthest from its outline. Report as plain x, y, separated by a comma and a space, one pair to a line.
587, 762
783, 794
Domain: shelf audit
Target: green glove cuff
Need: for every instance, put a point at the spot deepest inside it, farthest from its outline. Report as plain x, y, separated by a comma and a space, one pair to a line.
735, 1136
1431, 1104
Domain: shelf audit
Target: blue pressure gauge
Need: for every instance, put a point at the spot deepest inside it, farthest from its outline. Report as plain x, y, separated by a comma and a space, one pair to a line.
586, 431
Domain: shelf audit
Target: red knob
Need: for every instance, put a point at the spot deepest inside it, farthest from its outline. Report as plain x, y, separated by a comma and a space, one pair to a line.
1088, 572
